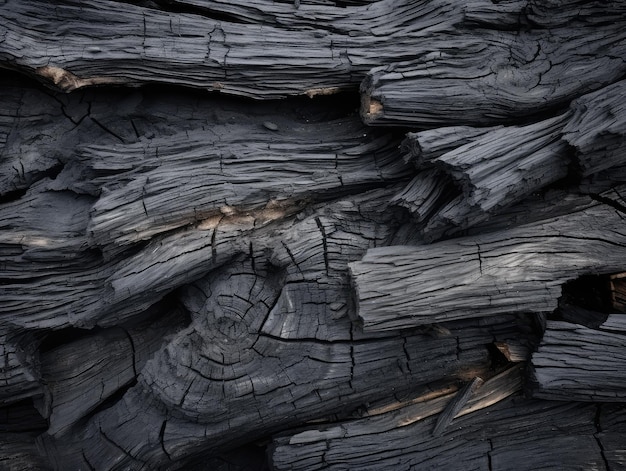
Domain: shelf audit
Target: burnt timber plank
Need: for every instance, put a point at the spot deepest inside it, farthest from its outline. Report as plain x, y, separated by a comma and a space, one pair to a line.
246, 168
516, 270
145, 45
497, 76
574, 362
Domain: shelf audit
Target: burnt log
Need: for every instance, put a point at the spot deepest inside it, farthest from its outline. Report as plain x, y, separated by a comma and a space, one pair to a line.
491, 75
519, 270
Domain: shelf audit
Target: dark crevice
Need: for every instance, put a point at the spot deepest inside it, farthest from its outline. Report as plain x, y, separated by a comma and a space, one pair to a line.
497, 358
52, 173
612, 203
21, 417
107, 130
61, 337
590, 292
162, 439
596, 436
187, 8
320, 226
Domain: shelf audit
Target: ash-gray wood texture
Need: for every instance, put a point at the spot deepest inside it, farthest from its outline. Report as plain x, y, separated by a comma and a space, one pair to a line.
312, 234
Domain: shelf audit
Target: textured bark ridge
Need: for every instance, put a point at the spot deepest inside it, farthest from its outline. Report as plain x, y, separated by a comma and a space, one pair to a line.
312, 234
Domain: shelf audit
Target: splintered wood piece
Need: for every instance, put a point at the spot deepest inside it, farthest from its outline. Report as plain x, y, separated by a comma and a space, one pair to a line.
455, 405
485, 173
598, 129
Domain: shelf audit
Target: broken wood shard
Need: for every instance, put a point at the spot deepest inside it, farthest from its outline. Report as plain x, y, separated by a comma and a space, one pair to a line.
455, 405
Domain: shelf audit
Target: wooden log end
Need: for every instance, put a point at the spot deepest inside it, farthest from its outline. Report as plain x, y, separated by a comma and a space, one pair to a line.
371, 109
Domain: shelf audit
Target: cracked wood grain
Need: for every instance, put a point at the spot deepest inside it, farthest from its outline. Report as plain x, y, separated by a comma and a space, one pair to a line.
516, 270
500, 435
575, 362
496, 76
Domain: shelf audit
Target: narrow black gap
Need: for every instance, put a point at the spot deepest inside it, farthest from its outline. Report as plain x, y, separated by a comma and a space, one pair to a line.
591, 292
111, 400
498, 360
15, 195
20, 417
250, 457
60, 337
191, 9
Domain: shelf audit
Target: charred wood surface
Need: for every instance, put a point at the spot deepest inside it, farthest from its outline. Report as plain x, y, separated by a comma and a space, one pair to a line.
574, 362
194, 275
515, 270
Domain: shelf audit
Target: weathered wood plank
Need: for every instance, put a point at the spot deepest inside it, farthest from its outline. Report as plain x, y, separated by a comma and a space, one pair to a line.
516, 270
320, 49
574, 362
246, 168
492, 77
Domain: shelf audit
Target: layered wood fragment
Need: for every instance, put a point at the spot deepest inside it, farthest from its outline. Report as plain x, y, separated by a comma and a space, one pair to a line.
575, 362
516, 270
231, 170
596, 129
469, 176
500, 436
